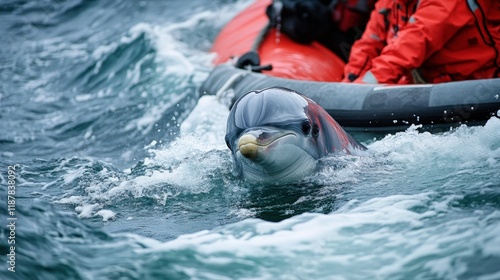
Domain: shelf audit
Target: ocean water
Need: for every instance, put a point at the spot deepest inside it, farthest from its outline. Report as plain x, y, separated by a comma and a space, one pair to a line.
121, 170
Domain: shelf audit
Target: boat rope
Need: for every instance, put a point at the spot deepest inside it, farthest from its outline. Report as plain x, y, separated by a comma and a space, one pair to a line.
224, 95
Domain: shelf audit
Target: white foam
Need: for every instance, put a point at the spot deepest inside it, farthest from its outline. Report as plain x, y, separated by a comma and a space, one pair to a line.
72, 175
105, 214
187, 166
86, 210
74, 199
151, 116
381, 238
464, 144
453, 154
207, 121
167, 47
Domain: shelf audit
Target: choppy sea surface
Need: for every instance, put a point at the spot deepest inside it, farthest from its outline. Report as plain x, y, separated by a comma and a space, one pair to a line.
122, 171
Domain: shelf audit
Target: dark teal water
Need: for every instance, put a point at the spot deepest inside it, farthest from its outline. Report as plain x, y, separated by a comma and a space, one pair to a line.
122, 171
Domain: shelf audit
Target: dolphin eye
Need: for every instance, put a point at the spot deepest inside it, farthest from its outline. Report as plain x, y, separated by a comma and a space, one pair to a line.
315, 131
264, 135
306, 127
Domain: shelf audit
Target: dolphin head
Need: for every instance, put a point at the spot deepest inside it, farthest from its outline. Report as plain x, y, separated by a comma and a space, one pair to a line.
277, 135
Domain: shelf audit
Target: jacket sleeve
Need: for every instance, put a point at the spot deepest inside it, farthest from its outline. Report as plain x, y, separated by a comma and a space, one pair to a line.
369, 45
428, 29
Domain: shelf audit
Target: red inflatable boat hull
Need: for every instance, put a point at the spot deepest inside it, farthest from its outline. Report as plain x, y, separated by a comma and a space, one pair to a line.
289, 59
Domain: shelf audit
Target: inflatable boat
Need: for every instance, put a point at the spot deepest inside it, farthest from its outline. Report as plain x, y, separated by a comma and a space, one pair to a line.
315, 71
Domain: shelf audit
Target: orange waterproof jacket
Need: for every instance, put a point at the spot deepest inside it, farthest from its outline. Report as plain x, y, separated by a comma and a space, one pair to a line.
442, 40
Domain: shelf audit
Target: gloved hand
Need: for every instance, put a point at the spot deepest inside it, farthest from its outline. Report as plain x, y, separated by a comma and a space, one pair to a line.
349, 78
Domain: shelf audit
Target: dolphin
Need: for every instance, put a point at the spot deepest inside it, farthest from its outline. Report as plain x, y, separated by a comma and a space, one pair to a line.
277, 135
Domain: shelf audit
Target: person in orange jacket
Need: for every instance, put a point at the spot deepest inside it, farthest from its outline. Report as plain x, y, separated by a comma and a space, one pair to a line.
427, 41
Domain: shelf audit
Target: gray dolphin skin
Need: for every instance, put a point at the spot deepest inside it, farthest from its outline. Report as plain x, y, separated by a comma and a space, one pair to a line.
277, 135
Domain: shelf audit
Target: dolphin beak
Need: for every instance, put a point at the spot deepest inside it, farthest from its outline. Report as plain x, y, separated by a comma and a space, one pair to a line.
254, 143
248, 146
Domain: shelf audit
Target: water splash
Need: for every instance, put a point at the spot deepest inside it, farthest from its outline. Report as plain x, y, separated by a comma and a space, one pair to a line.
278, 7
